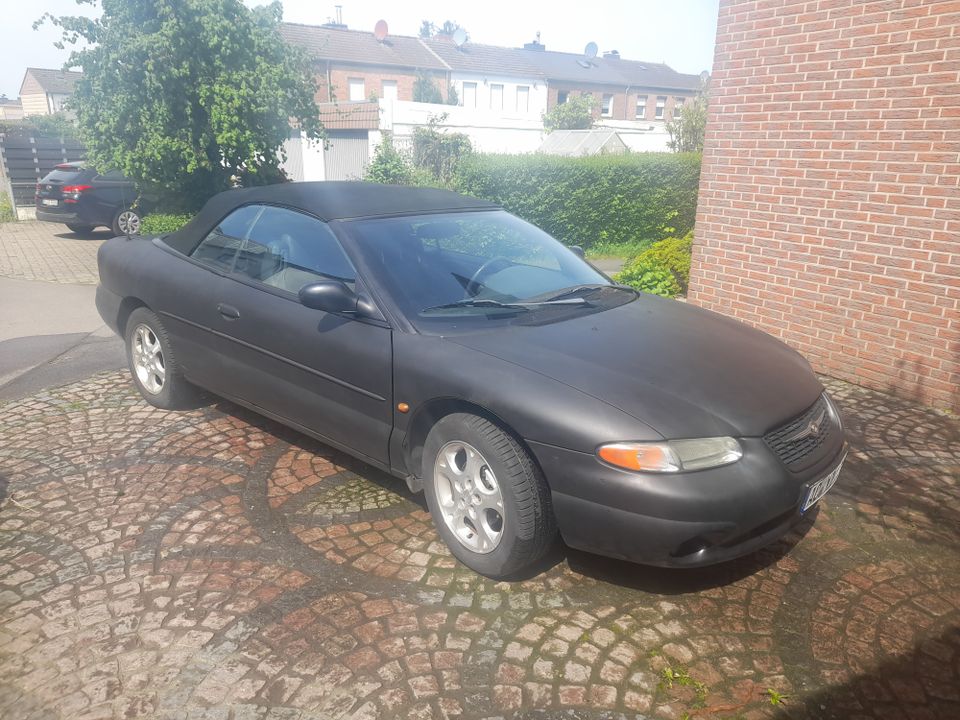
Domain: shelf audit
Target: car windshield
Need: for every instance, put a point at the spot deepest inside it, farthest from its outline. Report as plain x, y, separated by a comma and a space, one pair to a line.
472, 264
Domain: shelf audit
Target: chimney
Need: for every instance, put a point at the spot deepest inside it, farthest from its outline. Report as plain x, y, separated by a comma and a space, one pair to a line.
535, 45
337, 22
612, 55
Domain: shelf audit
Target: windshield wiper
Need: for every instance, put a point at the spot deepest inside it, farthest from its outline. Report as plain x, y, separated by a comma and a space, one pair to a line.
588, 287
487, 302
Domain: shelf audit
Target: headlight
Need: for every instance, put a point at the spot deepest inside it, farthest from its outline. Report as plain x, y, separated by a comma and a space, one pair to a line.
672, 456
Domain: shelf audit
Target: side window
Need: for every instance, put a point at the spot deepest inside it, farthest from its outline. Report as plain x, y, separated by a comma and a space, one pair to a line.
219, 248
287, 250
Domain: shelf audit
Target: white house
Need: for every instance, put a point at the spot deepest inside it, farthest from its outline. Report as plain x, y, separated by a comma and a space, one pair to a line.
44, 91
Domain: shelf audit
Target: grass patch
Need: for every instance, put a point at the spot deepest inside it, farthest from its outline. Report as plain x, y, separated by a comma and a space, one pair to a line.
7, 213
615, 250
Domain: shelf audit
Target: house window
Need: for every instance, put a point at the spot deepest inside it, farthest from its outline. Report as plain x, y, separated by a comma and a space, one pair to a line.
562, 97
641, 107
606, 109
496, 97
469, 94
661, 106
523, 98
357, 89
389, 89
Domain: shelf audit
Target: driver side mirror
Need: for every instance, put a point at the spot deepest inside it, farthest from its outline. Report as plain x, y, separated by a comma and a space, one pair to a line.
332, 296
578, 251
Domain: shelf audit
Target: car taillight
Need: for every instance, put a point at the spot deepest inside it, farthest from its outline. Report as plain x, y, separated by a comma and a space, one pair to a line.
71, 193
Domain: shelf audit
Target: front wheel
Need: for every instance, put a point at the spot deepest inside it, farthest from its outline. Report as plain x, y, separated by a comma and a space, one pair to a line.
152, 364
489, 500
126, 222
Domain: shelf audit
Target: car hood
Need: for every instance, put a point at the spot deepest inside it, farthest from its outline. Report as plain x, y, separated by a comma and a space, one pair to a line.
683, 370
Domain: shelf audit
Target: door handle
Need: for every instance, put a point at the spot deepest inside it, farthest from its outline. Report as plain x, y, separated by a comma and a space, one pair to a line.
228, 311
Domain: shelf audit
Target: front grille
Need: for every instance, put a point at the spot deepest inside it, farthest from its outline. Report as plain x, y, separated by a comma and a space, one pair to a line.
794, 442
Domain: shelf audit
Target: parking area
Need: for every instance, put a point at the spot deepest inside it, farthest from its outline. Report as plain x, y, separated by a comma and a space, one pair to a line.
213, 564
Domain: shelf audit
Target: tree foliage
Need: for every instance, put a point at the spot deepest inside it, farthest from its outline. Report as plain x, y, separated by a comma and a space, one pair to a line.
439, 153
388, 165
425, 90
447, 27
575, 114
687, 128
649, 276
184, 95
56, 125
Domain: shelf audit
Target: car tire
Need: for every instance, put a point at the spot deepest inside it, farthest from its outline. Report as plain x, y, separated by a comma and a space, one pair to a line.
80, 229
126, 222
469, 463
152, 364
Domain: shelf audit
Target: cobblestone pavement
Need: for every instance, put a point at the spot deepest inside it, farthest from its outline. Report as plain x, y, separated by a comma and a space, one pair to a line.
33, 250
213, 564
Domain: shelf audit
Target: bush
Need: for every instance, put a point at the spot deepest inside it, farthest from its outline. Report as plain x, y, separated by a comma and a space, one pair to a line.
649, 276
439, 153
161, 224
585, 201
7, 213
673, 254
575, 114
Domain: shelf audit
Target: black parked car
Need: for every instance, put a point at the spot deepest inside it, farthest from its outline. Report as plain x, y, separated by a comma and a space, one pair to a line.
83, 199
449, 343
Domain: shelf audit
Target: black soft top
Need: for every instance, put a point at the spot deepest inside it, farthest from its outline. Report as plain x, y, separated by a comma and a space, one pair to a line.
327, 201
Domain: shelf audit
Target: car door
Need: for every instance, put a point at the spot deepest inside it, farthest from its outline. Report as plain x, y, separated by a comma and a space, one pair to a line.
328, 373
109, 196
187, 292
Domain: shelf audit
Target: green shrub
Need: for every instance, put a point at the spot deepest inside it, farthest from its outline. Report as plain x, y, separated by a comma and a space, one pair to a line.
7, 213
161, 224
649, 276
586, 201
673, 254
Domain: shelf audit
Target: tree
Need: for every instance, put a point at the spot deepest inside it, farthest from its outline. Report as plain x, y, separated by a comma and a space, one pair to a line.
452, 97
425, 90
388, 165
183, 94
688, 126
437, 152
575, 114
448, 28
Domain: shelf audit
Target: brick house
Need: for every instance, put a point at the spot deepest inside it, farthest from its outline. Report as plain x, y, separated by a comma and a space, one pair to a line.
829, 209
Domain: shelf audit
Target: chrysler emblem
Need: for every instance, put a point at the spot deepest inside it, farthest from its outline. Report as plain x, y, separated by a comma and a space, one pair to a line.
811, 430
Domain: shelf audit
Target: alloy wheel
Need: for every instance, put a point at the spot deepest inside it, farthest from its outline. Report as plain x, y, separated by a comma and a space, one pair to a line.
469, 496
148, 360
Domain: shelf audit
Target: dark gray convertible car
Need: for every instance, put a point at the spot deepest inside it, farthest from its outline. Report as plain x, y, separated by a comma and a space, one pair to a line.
445, 341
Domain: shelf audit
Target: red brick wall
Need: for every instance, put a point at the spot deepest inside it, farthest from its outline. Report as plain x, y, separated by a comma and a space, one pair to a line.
624, 106
339, 74
829, 211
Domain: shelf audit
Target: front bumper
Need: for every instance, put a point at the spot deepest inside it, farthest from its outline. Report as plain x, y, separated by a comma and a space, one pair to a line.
678, 520
108, 305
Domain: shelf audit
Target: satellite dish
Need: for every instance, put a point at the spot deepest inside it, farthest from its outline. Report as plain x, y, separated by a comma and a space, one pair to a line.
459, 37
380, 30
591, 50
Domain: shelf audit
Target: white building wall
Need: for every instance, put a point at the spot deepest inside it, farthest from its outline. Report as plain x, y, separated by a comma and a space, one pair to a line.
490, 131
537, 93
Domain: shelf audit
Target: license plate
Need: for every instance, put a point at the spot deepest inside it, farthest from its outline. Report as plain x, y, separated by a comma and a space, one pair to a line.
820, 488
52, 203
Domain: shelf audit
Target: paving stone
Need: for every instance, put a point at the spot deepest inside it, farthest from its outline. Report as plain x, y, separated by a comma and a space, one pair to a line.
248, 573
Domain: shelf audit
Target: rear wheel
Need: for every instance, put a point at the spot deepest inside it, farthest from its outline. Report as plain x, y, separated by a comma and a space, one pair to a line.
489, 501
80, 229
152, 364
126, 222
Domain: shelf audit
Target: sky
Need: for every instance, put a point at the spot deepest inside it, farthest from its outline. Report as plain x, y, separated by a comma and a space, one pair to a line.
678, 32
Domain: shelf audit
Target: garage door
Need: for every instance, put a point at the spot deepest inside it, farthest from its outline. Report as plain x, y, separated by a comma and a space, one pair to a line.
347, 156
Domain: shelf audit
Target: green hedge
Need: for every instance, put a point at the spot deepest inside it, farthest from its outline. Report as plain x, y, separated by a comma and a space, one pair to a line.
584, 201
161, 224
7, 213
